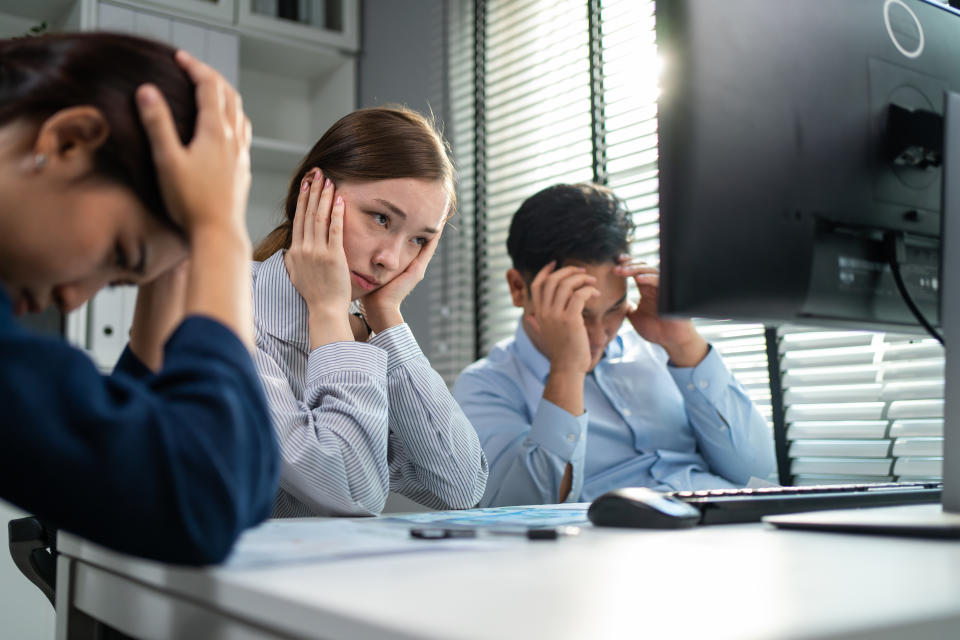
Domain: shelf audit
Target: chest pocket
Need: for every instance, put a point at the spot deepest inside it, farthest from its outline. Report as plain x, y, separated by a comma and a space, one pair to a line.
657, 416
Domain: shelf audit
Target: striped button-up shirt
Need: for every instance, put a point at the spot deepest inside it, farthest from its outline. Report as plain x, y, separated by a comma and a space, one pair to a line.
355, 420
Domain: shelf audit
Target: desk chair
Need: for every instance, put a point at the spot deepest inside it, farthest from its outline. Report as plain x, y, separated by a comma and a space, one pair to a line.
33, 547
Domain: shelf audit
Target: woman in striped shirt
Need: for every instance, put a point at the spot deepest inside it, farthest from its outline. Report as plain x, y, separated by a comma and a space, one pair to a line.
357, 409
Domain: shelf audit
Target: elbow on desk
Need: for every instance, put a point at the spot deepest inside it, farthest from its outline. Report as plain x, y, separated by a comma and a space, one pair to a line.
207, 533
212, 515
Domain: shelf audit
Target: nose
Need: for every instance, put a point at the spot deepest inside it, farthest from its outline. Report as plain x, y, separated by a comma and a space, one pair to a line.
70, 296
387, 256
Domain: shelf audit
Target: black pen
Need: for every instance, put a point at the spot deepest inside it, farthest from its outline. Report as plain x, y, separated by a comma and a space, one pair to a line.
531, 533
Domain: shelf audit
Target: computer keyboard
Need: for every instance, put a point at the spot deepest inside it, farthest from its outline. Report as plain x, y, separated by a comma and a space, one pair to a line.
722, 506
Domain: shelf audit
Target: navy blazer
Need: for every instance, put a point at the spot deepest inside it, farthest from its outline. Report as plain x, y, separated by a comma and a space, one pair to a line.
171, 466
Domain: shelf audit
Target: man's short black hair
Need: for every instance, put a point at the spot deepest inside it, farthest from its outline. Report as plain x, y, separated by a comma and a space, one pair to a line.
583, 222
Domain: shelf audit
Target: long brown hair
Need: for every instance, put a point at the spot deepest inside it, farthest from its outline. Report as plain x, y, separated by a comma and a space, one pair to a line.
377, 143
42, 75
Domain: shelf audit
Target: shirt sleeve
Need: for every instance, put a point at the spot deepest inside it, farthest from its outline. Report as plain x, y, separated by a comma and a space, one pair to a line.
333, 441
172, 468
130, 365
732, 436
528, 455
434, 454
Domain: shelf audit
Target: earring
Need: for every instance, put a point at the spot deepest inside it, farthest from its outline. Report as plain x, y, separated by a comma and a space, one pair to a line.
40, 160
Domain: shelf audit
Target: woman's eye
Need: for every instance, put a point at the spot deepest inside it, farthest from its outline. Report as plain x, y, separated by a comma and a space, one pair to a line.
420, 241
120, 257
380, 219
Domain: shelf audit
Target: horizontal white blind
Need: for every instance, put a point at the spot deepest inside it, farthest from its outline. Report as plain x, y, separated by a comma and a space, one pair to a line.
537, 109
452, 299
862, 406
630, 87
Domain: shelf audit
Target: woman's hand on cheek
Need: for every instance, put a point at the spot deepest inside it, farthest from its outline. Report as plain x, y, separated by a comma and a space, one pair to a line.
382, 307
316, 262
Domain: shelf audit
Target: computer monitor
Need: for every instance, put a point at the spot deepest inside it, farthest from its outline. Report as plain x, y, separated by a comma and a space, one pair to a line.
805, 149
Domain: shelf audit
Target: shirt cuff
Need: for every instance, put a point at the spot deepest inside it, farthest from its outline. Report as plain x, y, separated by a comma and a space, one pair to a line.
708, 379
399, 343
558, 431
337, 357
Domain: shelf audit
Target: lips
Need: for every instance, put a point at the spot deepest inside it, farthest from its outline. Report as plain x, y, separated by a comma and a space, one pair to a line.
365, 282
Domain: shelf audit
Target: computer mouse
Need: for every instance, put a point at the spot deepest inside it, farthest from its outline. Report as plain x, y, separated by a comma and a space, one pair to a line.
642, 508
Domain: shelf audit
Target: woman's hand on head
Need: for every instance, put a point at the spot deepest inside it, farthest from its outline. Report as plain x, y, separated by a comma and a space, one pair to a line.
382, 307
316, 262
204, 186
205, 183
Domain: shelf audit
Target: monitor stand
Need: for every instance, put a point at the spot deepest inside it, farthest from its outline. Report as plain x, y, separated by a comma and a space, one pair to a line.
926, 520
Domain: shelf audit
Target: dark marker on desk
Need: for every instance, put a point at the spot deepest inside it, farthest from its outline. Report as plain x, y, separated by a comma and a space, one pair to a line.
438, 533
533, 533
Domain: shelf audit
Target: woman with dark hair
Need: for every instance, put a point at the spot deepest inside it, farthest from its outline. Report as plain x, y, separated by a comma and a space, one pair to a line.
118, 161
357, 408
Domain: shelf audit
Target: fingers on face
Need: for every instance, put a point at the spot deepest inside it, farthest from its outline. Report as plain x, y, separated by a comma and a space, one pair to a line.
158, 123
536, 287
427, 251
578, 299
318, 207
336, 220
559, 284
311, 223
634, 269
568, 286
648, 282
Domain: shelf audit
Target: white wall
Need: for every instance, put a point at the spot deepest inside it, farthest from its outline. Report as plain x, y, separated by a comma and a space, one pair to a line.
400, 63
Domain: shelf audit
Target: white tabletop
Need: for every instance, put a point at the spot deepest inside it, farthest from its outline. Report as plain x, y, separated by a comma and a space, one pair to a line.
731, 581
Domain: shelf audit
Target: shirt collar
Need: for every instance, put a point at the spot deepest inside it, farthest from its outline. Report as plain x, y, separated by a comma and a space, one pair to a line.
277, 305
539, 364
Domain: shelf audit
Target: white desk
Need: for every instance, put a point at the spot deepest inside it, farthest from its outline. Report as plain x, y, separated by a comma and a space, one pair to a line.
732, 581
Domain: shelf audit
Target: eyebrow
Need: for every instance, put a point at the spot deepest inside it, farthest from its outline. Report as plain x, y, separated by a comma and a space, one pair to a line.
618, 303
399, 212
615, 304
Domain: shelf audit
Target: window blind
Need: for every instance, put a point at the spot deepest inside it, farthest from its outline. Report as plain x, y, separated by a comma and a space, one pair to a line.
452, 298
862, 406
537, 129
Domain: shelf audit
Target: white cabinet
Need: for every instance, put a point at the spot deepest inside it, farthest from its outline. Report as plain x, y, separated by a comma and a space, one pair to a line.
296, 79
333, 22
219, 10
218, 48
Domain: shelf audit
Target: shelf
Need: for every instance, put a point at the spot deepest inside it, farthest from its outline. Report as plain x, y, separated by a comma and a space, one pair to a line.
341, 33
276, 156
293, 58
19, 16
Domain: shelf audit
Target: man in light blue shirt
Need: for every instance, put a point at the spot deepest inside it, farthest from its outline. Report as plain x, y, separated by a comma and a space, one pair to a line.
578, 403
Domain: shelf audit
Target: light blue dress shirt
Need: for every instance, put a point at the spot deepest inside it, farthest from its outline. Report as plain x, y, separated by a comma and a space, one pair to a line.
646, 423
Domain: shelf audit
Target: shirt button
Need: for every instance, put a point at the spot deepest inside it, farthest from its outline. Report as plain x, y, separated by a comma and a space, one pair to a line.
626, 412
571, 437
704, 384
691, 386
